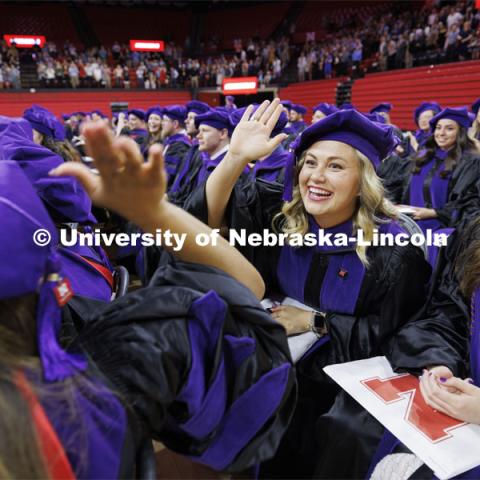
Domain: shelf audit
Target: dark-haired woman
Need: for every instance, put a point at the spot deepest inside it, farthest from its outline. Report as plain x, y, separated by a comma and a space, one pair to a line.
443, 181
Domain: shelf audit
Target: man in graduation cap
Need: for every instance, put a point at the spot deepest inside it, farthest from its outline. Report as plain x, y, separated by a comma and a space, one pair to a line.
384, 110
137, 127
297, 124
175, 139
322, 110
194, 108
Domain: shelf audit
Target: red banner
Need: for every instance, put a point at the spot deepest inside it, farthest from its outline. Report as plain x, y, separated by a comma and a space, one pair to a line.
25, 41
240, 85
147, 45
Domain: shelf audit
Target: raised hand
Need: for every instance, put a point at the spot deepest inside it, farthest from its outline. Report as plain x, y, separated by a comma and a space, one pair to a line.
126, 184
251, 138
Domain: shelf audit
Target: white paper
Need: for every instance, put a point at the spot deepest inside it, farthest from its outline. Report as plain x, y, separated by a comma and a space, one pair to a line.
298, 344
454, 453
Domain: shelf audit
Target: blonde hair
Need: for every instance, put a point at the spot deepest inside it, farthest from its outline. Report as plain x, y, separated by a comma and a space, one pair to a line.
372, 207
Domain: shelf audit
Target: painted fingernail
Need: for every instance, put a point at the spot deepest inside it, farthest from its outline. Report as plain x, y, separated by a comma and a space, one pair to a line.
443, 379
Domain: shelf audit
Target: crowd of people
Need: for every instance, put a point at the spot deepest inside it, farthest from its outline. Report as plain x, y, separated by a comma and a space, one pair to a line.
120, 67
400, 38
393, 40
100, 370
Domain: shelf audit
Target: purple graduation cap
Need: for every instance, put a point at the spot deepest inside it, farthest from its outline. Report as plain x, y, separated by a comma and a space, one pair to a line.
460, 115
374, 140
382, 108
299, 109
375, 117
237, 115
215, 118
99, 113
325, 108
26, 267
476, 106
64, 197
176, 112
197, 107
44, 122
154, 111
140, 114
425, 106
347, 106
287, 104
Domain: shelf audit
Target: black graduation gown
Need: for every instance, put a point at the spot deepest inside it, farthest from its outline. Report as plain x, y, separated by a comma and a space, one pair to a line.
321, 442
194, 388
463, 195
438, 336
394, 171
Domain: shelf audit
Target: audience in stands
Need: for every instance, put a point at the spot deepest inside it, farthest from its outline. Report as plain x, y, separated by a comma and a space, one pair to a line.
355, 41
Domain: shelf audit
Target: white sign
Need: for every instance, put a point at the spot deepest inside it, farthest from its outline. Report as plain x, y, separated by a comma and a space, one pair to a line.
448, 446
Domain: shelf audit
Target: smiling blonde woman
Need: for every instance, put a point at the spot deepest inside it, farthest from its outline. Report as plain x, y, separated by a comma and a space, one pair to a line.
358, 299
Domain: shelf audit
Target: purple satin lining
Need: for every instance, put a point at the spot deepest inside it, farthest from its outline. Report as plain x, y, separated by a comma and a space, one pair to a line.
100, 421
475, 338
438, 186
246, 417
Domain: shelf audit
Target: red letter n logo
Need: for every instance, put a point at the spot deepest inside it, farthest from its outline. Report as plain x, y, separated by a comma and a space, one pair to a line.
432, 424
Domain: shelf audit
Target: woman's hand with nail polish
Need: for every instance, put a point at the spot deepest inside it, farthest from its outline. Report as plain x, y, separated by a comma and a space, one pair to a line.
463, 404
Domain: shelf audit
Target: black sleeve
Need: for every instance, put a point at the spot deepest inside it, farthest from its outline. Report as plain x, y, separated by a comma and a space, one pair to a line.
200, 362
397, 295
251, 208
464, 198
439, 334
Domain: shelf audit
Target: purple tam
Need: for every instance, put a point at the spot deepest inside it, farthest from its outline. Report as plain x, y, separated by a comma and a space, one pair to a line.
347, 106
325, 108
375, 117
237, 115
66, 116
64, 197
299, 109
99, 113
424, 107
382, 108
176, 112
154, 111
374, 140
27, 267
44, 122
214, 118
229, 98
287, 104
476, 106
197, 107
140, 114
459, 115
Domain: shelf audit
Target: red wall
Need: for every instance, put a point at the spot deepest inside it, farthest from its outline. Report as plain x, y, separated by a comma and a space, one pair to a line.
450, 84
13, 104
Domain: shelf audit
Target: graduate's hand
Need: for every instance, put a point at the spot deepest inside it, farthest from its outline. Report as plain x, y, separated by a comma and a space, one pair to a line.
126, 184
421, 213
251, 138
295, 320
464, 404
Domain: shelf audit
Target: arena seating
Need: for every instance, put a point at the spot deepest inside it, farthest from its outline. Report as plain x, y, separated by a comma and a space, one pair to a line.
231, 23
13, 104
123, 23
314, 19
310, 94
34, 18
451, 84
